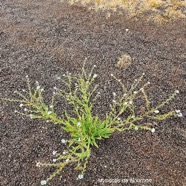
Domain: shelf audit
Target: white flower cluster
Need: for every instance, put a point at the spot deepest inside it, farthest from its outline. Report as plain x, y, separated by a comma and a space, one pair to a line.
21, 105
136, 128
31, 116
95, 76
55, 90
43, 182
49, 112
54, 160
63, 141
177, 91
153, 130
80, 176
156, 111
39, 87
78, 124
38, 164
179, 114
54, 152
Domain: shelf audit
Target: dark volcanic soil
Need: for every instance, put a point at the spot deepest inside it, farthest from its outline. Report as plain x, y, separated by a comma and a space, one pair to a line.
44, 39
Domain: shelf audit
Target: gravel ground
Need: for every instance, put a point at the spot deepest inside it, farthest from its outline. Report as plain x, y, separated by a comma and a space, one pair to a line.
45, 39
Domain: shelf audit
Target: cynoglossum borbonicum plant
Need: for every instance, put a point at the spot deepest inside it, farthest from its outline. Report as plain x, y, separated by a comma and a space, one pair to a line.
156, 10
84, 126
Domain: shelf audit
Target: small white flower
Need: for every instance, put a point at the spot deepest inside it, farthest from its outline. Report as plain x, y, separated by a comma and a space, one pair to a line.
156, 111
55, 88
177, 91
178, 111
153, 130
42, 89
67, 160
98, 93
143, 73
43, 182
135, 80
38, 87
119, 118
111, 74
49, 112
114, 101
126, 29
80, 176
64, 75
25, 109
64, 152
54, 160
95, 66
135, 92
47, 121
136, 128
31, 116
130, 102
124, 95
78, 124
148, 82
54, 93
21, 105
51, 106
38, 164
26, 76
95, 76
114, 94
79, 139
132, 116
54, 152
63, 141
58, 77
180, 115
15, 111
23, 90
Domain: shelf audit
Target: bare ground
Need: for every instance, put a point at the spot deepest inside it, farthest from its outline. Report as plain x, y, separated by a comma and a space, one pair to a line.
44, 39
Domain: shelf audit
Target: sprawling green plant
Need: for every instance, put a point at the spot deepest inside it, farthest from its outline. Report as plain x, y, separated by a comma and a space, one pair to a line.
85, 127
